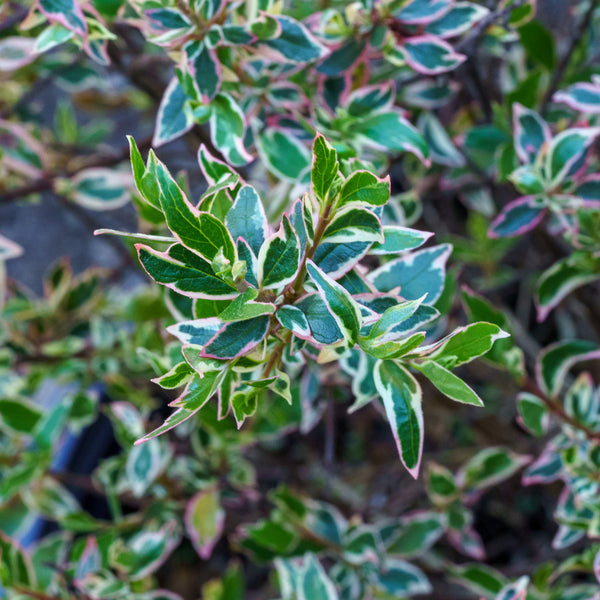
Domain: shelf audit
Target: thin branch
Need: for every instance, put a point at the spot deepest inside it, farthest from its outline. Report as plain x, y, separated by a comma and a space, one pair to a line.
566, 59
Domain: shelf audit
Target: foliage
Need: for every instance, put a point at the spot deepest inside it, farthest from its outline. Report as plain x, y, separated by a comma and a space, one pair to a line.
234, 411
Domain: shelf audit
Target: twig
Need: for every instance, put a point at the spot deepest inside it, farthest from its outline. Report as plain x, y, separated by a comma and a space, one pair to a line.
564, 63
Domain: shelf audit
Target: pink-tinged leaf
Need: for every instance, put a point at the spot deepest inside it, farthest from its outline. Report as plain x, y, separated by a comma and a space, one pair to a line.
89, 561
205, 68
458, 20
172, 119
422, 12
65, 12
9, 249
518, 217
548, 467
514, 591
583, 97
184, 272
236, 338
566, 150
430, 55
176, 418
401, 395
468, 542
16, 52
531, 133
204, 521
597, 566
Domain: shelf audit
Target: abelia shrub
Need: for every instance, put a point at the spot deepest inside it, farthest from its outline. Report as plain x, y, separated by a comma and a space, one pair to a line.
337, 335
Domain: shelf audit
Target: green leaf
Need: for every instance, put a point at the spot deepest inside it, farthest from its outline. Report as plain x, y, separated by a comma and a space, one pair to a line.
415, 534
401, 397
467, 343
198, 231
421, 272
533, 413
401, 579
352, 224
491, 466
538, 42
562, 278
365, 188
325, 167
66, 12
554, 362
20, 416
340, 303
295, 43
184, 272
430, 55
441, 148
398, 239
205, 69
144, 464
283, 154
244, 307
175, 377
204, 521
237, 338
389, 131
394, 316
247, 218
227, 129
294, 319
565, 150
279, 257
449, 384
323, 326
172, 119
378, 347
314, 582
504, 352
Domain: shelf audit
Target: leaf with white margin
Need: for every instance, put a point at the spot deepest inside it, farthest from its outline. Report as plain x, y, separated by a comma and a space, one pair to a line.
340, 303
401, 395
295, 43
247, 219
236, 338
421, 272
99, 188
566, 149
390, 131
172, 119
449, 384
204, 521
465, 344
531, 133
430, 55
283, 154
314, 584
400, 578
294, 319
555, 360
352, 224
398, 239
227, 129
279, 257
582, 96
184, 272
16, 52
65, 12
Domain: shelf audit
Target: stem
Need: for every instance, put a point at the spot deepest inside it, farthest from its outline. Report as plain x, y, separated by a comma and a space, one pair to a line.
555, 408
564, 63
